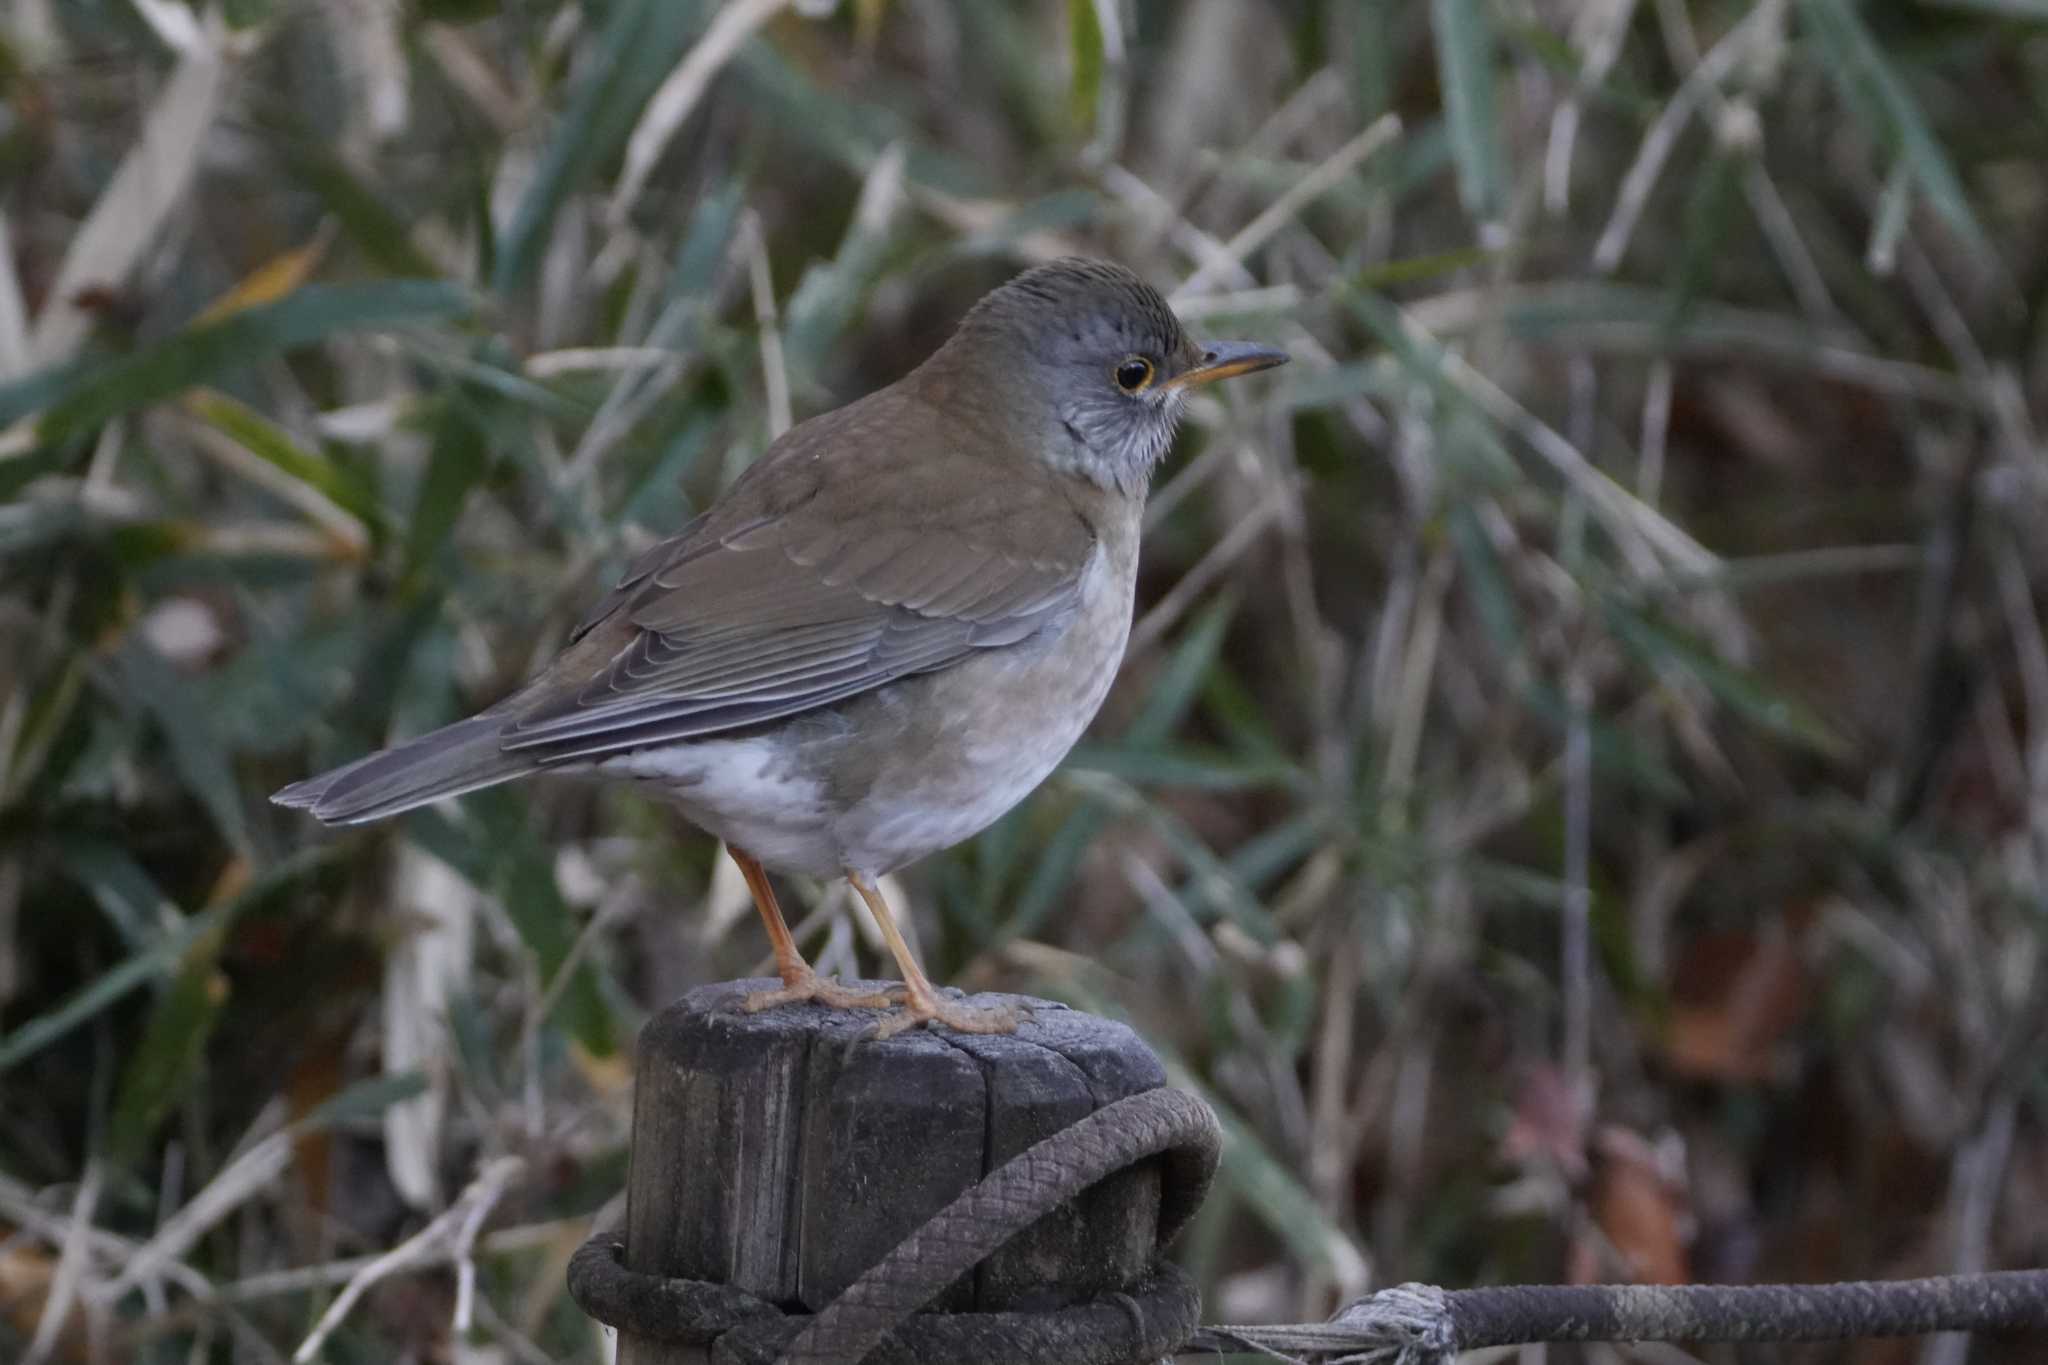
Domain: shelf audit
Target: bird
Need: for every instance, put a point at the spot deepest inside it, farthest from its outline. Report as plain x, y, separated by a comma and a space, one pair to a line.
884, 634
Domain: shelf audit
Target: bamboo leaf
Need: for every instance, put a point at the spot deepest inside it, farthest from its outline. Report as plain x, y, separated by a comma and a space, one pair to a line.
364, 217
155, 1075
165, 955
94, 997
150, 685
1873, 88
367, 1098
1465, 42
1663, 645
272, 443
640, 44
88, 395
459, 459
1084, 29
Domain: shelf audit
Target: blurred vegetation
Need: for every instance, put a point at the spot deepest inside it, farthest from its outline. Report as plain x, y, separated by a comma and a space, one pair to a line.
1577, 800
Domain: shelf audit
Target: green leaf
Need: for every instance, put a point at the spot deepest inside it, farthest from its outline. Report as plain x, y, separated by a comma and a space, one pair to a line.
498, 852
850, 131
1465, 68
639, 45
1709, 215
1180, 682
1085, 93
652, 495
1267, 854
32, 393
91, 394
1183, 768
1485, 580
267, 697
166, 954
1662, 645
1054, 871
272, 443
1614, 750
709, 239
1875, 91
460, 457
367, 1098
51, 708
364, 217
130, 898
1415, 269
102, 992
157, 1072
152, 686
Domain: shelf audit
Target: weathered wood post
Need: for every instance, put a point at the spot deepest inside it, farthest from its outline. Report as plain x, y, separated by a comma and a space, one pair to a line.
778, 1156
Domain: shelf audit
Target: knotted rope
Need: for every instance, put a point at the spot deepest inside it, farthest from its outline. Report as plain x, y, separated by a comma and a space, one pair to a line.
876, 1319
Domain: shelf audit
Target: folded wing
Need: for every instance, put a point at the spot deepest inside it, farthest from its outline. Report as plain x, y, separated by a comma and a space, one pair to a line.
780, 604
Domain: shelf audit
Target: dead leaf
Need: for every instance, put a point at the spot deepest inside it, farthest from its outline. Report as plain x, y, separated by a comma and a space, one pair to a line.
1738, 997
1640, 1208
274, 279
1549, 1125
26, 1271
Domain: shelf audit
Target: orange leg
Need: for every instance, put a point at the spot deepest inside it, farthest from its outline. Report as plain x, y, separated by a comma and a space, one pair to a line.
799, 982
922, 1000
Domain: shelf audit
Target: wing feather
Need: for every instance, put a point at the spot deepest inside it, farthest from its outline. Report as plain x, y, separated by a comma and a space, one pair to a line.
802, 590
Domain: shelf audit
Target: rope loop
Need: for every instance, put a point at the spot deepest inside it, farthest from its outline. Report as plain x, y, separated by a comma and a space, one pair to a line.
876, 1319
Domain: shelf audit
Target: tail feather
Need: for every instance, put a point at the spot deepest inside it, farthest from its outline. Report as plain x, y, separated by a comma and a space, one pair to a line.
457, 758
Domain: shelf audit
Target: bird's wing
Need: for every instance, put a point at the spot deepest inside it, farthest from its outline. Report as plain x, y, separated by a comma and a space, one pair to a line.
805, 589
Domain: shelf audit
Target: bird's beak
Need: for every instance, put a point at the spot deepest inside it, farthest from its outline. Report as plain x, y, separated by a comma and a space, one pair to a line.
1225, 359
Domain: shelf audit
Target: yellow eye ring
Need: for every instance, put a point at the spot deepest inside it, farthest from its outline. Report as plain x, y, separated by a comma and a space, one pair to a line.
1134, 374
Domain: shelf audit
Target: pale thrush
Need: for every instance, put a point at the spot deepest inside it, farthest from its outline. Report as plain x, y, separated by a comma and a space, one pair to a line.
885, 633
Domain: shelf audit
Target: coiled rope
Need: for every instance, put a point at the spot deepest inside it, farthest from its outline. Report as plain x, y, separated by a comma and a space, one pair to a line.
876, 1319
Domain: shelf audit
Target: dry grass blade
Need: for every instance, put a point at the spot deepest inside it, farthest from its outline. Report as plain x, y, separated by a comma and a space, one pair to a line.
1598, 30
16, 355
130, 215
252, 1174
1763, 24
774, 373
730, 27
1643, 533
59, 1298
350, 537
1326, 175
449, 1237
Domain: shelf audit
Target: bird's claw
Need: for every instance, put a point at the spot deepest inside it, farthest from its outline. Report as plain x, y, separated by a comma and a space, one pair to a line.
922, 1008
812, 988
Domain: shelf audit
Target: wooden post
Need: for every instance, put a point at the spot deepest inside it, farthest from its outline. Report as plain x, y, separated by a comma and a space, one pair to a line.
783, 1153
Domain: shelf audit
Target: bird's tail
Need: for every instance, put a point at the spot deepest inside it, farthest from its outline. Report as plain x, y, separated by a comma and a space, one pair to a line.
457, 758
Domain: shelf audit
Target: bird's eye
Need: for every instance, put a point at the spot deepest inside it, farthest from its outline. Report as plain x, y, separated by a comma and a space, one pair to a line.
1133, 373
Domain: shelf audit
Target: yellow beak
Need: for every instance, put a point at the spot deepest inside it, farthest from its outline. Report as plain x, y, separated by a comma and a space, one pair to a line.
1225, 360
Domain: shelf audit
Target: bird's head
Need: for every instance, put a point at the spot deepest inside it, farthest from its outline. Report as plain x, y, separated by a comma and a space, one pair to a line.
1086, 365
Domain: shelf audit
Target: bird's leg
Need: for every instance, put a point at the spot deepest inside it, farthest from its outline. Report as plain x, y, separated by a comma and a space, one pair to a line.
799, 982
922, 1000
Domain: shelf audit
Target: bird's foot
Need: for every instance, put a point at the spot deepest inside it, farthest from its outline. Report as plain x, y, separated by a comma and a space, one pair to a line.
921, 1007
809, 986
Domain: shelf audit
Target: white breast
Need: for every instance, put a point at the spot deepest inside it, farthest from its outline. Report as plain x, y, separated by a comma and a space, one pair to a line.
972, 774
752, 792
986, 730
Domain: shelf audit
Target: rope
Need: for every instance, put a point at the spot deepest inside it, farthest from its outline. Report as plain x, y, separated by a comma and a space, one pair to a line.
876, 1319
1420, 1324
